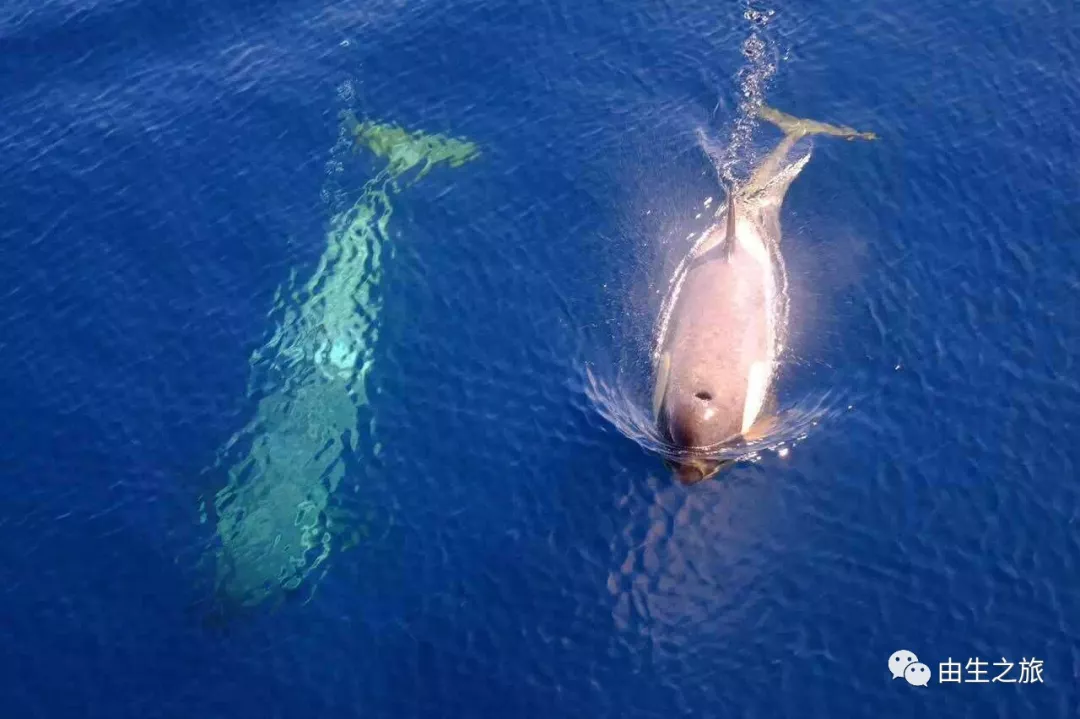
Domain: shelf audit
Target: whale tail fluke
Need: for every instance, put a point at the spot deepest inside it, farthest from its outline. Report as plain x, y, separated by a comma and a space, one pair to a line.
777, 171
798, 127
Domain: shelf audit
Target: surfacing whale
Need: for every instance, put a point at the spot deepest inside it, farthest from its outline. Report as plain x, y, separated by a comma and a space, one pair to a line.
722, 327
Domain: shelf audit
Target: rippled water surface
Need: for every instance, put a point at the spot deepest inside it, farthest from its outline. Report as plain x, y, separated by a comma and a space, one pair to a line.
300, 305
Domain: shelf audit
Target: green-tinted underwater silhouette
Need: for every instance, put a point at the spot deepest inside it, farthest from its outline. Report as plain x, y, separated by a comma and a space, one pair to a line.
275, 526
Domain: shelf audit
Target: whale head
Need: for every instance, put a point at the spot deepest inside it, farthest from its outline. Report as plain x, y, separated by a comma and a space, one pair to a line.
693, 421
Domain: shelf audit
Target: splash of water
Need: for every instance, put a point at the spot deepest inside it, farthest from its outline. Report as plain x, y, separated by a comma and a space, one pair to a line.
275, 527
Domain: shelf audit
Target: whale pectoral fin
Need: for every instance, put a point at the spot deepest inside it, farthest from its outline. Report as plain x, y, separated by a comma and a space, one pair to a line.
768, 420
663, 369
757, 388
762, 427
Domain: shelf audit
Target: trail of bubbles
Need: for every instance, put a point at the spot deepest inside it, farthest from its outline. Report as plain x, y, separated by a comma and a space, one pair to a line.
753, 79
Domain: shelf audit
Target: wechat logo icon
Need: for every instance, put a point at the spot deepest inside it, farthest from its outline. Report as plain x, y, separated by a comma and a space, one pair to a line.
904, 664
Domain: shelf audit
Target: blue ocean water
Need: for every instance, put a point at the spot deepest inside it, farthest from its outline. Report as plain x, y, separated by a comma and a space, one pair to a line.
478, 540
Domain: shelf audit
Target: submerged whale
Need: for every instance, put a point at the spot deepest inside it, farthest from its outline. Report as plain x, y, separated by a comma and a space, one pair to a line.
722, 327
